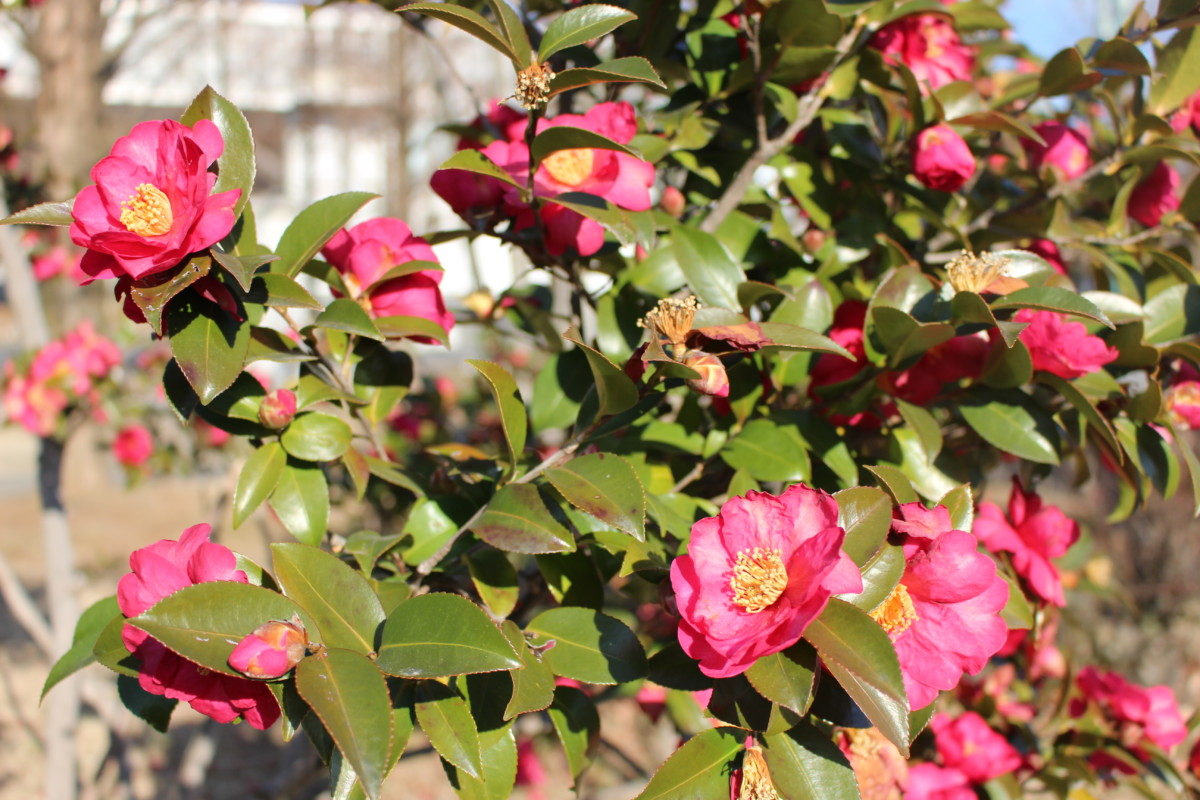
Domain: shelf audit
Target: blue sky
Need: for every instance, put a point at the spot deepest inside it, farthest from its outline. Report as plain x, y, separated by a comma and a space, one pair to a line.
1047, 26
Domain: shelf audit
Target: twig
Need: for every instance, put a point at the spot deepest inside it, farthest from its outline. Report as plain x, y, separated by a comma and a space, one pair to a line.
23, 609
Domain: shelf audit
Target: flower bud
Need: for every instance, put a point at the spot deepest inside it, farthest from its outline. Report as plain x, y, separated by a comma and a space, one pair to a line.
941, 159
277, 409
271, 650
673, 202
713, 380
1182, 404
1155, 196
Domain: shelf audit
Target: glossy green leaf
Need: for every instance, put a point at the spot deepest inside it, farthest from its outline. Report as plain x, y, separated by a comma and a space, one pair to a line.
859, 655
865, 513
154, 293
301, 501
605, 486
615, 391
343, 314
566, 137
1053, 298
313, 436
257, 480
577, 723
806, 765
313, 227
894, 482
1013, 422
620, 222
466, 20
517, 521
533, 683
768, 451
335, 595
880, 575
579, 25
91, 624
204, 622
242, 268
209, 345
508, 400
351, 698
512, 30
110, 650
235, 167
1096, 420
589, 646
495, 579
1179, 75
42, 214
280, 291
445, 718
786, 678
436, 635
1172, 314
1066, 73
711, 272
699, 770
631, 69
498, 752
477, 162
155, 710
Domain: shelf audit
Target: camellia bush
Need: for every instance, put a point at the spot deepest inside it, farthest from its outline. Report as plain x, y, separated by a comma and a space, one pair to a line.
805, 278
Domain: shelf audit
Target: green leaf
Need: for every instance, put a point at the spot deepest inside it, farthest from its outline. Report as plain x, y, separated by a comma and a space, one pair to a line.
313, 436
768, 451
865, 513
1172, 314
859, 655
880, 575
477, 162
280, 291
806, 765
110, 650
498, 751
437, 635
1178, 71
1066, 74
351, 698
155, 710
894, 482
786, 678
301, 501
313, 227
42, 214
605, 486
589, 646
513, 32
466, 20
257, 480
91, 624
631, 69
446, 720
242, 268
235, 167
343, 314
1052, 298
699, 769
495, 580
153, 294
1012, 421
566, 137
204, 622
335, 595
517, 521
621, 223
711, 272
208, 344
794, 337
1096, 420
614, 389
579, 25
577, 724
533, 683
508, 400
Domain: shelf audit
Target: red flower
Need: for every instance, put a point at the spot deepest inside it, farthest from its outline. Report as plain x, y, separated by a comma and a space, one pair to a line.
1034, 534
931, 782
365, 253
967, 744
152, 203
941, 159
1182, 404
944, 615
161, 569
757, 574
948, 362
133, 445
1062, 346
1049, 251
1188, 116
1155, 195
1066, 150
929, 46
1139, 712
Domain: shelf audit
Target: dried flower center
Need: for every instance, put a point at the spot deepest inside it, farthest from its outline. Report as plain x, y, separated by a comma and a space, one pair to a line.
759, 577
147, 212
969, 272
896, 613
864, 742
672, 318
756, 778
533, 85
571, 167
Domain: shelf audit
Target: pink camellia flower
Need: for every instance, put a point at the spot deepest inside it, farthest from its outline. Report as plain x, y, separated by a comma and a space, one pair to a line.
133, 446
944, 615
59, 261
277, 408
1139, 712
879, 769
161, 569
1155, 195
1066, 152
152, 204
271, 650
931, 782
530, 773
929, 46
652, 699
966, 743
1188, 115
948, 362
941, 159
1050, 252
1034, 534
1182, 404
757, 574
1062, 346
365, 254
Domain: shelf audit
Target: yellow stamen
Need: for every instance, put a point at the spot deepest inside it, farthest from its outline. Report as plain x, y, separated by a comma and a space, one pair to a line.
672, 318
759, 577
147, 212
756, 778
571, 167
969, 272
896, 613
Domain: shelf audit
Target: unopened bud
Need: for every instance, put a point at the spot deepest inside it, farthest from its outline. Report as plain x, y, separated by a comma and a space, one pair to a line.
713, 379
673, 202
277, 409
271, 650
813, 239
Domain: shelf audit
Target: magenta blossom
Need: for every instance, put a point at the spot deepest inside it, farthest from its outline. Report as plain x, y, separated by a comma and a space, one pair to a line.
133, 445
941, 159
1065, 151
1155, 195
164, 568
1034, 534
757, 574
1062, 346
968, 744
152, 203
931, 782
928, 45
1139, 712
